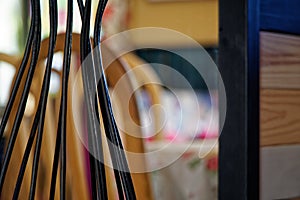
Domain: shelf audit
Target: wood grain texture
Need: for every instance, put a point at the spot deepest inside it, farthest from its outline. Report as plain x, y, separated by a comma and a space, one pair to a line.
280, 60
280, 119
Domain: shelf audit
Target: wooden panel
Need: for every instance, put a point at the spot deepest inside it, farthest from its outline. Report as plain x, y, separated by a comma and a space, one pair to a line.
280, 178
280, 61
280, 118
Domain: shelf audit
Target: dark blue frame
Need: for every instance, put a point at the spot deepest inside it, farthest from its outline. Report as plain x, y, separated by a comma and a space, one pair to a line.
280, 16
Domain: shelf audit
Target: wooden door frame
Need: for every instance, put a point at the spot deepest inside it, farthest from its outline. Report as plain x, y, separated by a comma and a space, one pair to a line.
239, 68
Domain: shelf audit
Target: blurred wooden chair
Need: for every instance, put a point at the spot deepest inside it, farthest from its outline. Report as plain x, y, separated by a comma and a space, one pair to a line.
114, 73
20, 144
151, 83
78, 182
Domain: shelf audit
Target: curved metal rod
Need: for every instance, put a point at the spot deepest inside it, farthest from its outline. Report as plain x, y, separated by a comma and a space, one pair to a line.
60, 145
118, 156
36, 153
109, 134
40, 114
106, 108
19, 76
97, 168
21, 108
123, 177
64, 99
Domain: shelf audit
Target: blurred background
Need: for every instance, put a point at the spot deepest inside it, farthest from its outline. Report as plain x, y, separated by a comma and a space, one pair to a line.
190, 176
159, 115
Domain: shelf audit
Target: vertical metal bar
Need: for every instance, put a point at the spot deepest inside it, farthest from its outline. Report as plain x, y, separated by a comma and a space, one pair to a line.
64, 98
253, 89
239, 67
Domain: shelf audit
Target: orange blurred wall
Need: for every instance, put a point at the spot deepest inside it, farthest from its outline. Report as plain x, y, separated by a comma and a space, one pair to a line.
195, 18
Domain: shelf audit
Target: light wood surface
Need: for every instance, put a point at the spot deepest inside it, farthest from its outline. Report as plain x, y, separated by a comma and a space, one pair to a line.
280, 89
280, 61
280, 119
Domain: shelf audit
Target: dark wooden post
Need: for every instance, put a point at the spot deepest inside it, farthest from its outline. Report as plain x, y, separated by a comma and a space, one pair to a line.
239, 67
